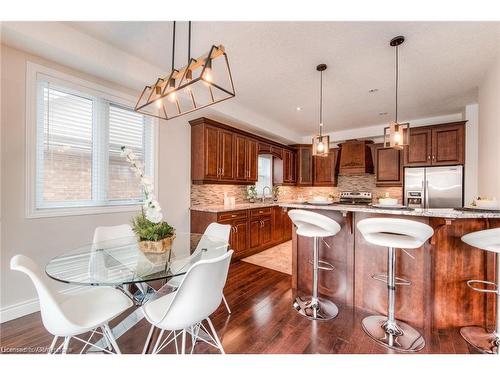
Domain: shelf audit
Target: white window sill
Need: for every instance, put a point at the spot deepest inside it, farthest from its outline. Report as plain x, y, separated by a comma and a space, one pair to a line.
79, 211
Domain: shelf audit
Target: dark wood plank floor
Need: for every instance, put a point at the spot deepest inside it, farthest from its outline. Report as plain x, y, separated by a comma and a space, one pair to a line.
262, 321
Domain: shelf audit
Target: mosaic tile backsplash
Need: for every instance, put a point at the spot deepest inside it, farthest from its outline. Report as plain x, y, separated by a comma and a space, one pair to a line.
214, 194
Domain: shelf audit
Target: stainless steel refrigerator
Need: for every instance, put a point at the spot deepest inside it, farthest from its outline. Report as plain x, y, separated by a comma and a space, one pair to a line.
434, 187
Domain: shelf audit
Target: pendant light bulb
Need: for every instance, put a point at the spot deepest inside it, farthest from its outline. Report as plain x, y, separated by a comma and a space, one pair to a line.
171, 87
320, 147
207, 75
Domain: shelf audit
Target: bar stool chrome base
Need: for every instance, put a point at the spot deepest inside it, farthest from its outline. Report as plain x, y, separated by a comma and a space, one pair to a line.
322, 310
484, 341
403, 337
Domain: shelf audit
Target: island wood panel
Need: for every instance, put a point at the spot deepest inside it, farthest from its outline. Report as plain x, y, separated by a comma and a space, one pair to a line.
371, 294
438, 298
336, 284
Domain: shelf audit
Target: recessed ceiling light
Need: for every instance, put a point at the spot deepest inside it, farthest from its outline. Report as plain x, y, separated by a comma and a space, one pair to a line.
382, 113
299, 108
371, 91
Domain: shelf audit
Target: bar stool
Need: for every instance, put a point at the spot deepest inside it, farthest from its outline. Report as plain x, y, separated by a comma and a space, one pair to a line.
479, 337
393, 234
316, 226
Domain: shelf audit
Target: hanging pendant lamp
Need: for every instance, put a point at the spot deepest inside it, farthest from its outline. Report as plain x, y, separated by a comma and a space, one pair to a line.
320, 142
204, 81
396, 134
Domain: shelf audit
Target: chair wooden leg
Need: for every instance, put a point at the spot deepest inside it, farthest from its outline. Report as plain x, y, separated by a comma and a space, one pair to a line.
214, 333
227, 305
148, 339
53, 345
111, 339
66, 345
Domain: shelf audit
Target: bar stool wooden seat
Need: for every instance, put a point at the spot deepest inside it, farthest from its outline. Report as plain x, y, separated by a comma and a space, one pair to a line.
317, 226
393, 234
479, 337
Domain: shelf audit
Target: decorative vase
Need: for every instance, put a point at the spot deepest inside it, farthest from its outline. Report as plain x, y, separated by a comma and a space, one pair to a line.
157, 247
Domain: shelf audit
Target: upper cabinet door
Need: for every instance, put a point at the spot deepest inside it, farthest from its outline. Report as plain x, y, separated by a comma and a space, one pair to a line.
388, 166
212, 169
448, 145
226, 160
419, 149
240, 156
304, 166
252, 160
324, 169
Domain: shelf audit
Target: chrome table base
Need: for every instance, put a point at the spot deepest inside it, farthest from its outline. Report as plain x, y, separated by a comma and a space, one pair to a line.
322, 310
484, 341
402, 338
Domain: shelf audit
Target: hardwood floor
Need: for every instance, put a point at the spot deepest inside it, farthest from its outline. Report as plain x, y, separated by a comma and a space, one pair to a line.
262, 321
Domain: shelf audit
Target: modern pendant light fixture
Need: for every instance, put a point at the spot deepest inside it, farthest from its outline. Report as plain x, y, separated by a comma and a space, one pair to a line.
395, 135
202, 82
320, 142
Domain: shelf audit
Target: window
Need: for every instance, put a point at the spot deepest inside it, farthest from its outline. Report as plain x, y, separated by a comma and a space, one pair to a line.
264, 174
78, 134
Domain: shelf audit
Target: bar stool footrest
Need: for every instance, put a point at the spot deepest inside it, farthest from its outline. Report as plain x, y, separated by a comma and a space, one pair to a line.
470, 284
384, 278
324, 265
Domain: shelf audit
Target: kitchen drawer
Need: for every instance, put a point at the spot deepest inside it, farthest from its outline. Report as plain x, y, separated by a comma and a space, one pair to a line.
265, 211
232, 215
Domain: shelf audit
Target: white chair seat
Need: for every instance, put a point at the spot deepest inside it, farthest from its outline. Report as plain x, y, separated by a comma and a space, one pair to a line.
488, 239
397, 241
396, 233
94, 307
312, 224
154, 311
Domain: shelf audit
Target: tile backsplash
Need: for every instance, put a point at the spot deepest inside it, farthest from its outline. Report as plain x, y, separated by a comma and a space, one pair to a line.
214, 194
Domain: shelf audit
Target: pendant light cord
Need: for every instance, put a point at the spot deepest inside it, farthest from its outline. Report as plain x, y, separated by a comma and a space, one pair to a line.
189, 43
397, 82
321, 104
173, 49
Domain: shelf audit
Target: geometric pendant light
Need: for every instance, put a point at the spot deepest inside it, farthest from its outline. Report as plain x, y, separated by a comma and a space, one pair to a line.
204, 81
396, 135
320, 142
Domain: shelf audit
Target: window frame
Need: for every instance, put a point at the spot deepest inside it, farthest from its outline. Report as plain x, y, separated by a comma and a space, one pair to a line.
34, 72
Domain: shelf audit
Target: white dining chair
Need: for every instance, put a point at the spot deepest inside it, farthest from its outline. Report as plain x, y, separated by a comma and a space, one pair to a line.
183, 311
115, 232
67, 316
214, 231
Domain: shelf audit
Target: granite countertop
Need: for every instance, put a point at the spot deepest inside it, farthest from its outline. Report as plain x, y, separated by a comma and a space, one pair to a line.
447, 213
240, 206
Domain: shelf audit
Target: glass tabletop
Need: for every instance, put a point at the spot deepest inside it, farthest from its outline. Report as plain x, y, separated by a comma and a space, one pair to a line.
120, 261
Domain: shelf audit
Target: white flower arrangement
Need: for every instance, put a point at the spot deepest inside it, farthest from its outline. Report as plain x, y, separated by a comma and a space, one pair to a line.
151, 208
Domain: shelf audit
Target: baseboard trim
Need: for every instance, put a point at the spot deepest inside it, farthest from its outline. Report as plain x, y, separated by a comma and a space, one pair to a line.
30, 306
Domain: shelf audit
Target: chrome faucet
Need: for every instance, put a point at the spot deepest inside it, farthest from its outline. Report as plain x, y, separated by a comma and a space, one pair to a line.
264, 193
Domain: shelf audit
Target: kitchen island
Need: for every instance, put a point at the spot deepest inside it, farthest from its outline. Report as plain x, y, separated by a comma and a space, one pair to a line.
438, 296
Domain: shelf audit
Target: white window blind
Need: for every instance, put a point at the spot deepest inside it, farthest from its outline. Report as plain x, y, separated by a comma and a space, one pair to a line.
78, 143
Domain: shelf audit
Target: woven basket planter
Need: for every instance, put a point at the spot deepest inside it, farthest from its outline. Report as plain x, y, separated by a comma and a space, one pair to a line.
157, 247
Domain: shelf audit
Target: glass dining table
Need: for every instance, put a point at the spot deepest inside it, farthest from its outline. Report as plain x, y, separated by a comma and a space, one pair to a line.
120, 263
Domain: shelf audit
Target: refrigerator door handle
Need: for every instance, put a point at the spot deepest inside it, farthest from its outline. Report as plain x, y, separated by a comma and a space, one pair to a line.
426, 194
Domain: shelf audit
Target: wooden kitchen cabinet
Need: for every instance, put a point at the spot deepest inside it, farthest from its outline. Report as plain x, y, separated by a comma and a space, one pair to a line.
289, 172
324, 169
252, 230
245, 151
222, 154
304, 165
388, 166
442, 144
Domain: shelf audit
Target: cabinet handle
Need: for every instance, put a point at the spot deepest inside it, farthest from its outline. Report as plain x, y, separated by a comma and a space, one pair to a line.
429, 157
233, 215
261, 211
433, 157
236, 229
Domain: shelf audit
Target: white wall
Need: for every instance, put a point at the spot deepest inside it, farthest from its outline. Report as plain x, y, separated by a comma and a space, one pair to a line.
45, 238
489, 133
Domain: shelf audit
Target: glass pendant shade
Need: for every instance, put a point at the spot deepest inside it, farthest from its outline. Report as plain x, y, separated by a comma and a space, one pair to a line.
396, 135
203, 82
321, 145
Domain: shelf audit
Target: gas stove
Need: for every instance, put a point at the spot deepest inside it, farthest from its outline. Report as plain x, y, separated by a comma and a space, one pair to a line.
355, 197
